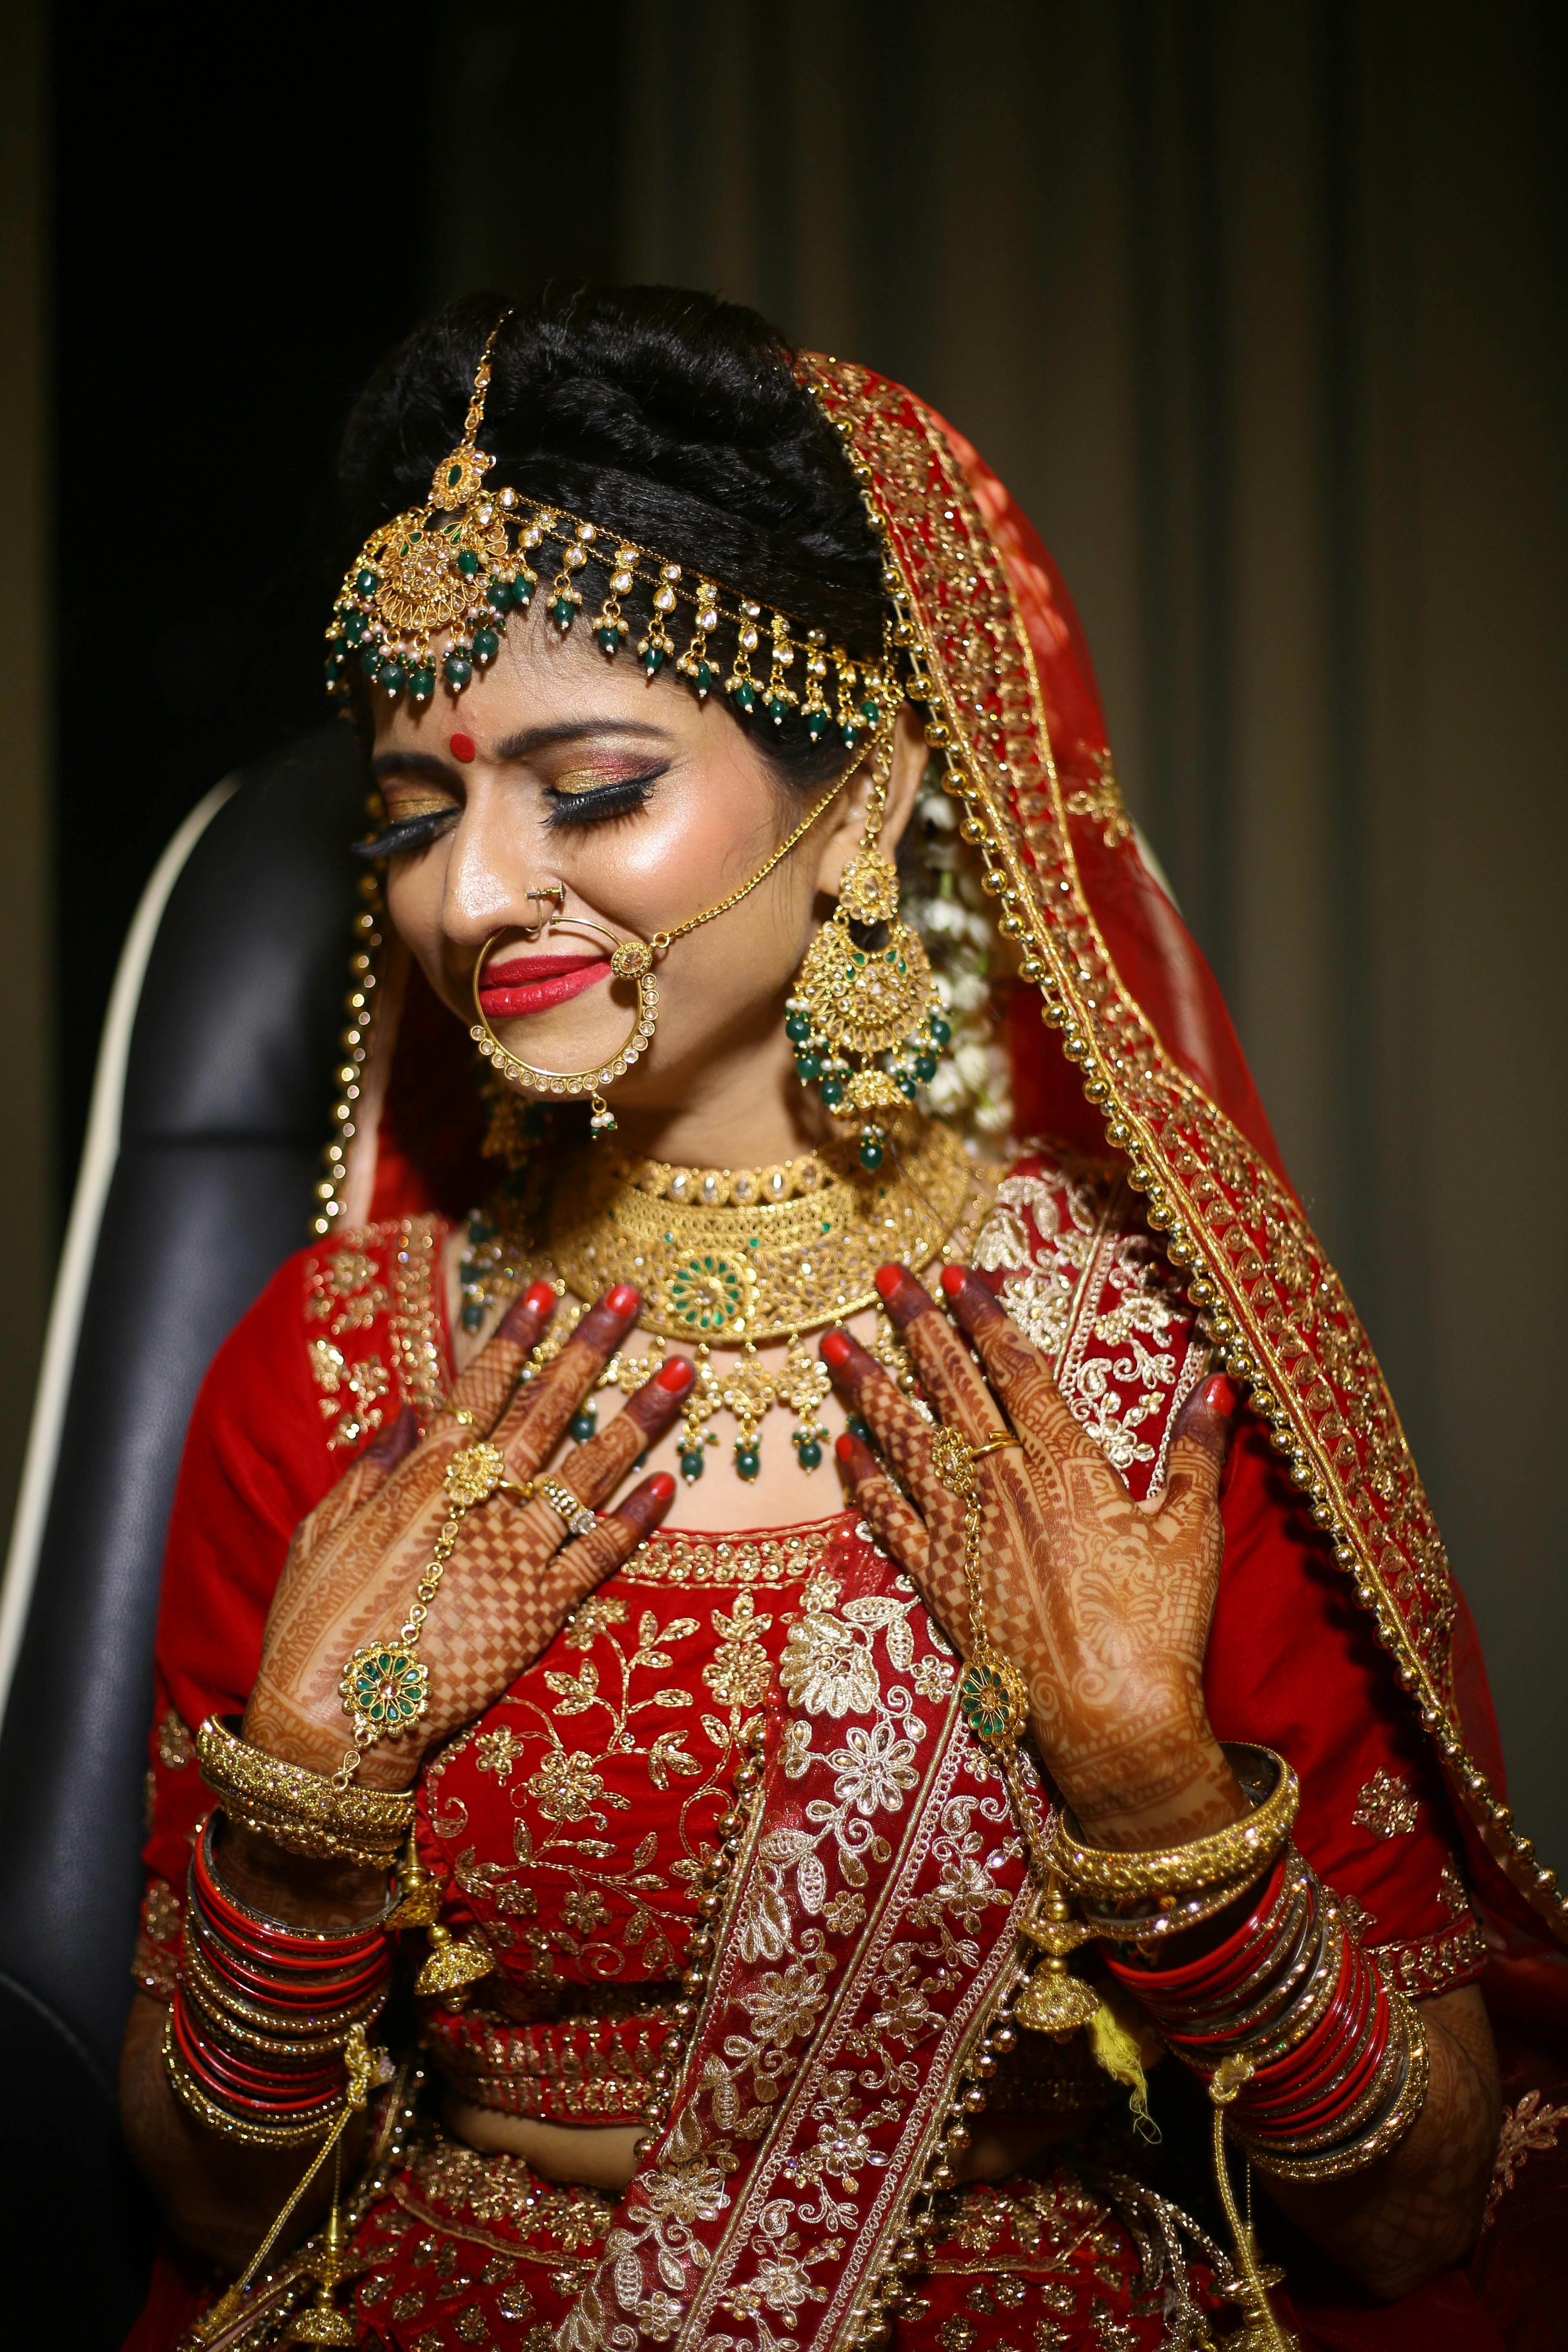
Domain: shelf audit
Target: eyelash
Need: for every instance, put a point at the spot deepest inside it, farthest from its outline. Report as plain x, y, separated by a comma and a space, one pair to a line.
410, 832
601, 803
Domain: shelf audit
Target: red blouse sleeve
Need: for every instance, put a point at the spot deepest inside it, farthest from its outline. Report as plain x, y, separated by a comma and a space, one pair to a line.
324, 1357
1294, 1662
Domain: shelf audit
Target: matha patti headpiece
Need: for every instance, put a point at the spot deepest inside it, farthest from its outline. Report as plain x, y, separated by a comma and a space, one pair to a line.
459, 566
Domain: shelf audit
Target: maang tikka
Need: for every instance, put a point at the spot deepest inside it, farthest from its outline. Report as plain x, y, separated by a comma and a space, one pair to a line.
866, 1019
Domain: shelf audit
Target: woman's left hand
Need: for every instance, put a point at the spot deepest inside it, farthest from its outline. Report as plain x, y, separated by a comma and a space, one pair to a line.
1102, 1602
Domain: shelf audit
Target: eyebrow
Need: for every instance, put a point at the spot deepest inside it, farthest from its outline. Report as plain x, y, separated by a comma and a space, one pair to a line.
521, 746
530, 739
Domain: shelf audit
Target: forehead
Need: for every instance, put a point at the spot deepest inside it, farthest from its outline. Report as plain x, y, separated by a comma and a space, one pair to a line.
543, 679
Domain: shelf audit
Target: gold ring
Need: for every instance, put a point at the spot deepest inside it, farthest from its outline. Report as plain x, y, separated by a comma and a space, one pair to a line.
579, 1518
953, 1458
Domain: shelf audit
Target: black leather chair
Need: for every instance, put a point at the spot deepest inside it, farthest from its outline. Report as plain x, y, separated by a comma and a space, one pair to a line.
225, 1105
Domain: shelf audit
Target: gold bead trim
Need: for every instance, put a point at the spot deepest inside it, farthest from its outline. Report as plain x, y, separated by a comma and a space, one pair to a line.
1103, 1030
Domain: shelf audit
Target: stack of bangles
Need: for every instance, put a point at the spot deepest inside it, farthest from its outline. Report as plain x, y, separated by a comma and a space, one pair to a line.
1320, 2065
263, 2011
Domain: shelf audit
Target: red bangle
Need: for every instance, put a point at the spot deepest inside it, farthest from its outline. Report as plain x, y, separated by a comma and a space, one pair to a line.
1214, 1972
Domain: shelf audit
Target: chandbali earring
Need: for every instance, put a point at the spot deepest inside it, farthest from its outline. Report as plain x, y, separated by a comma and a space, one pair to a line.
629, 960
866, 1019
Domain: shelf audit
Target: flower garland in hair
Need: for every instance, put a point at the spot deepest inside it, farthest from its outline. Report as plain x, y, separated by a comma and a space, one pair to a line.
973, 1088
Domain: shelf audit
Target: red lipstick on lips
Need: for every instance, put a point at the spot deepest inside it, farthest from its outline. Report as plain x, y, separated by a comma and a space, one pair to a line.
533, 983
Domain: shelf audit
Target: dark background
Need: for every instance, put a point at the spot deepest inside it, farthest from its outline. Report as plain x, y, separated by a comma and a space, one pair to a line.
1260, 311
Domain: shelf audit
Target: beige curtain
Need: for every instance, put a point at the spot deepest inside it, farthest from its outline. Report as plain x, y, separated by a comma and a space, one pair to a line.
1260, 311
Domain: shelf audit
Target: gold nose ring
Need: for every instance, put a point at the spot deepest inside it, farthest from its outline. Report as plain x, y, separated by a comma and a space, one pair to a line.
555, 894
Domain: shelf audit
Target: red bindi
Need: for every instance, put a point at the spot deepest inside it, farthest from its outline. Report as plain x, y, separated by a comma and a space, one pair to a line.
462, 747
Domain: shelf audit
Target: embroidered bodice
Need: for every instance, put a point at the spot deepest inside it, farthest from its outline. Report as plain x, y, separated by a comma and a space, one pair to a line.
571, 1825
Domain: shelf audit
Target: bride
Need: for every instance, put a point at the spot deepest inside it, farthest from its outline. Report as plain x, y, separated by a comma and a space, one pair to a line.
776, 1735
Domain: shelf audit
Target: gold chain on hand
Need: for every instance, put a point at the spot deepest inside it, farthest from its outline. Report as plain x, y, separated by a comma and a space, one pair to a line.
385, 1686
994, 1700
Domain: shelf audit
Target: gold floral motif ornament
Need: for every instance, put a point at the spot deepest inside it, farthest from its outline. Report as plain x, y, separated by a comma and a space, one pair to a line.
764, 1270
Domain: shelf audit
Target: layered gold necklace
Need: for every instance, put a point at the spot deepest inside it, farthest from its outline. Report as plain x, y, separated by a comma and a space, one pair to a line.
735, 1260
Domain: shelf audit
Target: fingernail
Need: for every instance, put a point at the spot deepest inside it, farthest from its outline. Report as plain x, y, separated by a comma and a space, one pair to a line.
887, 1278
954, 1278
661, 1486
623, 1299
836, 1348
674, 1375
1219, 1395
845, 1449
540, 1296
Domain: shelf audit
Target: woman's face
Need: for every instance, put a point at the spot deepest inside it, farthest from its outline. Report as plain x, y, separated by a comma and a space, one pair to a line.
644, 807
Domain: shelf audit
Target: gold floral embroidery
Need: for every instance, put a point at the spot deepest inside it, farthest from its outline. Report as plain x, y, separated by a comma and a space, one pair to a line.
344, 1293
759, 1559
592, 1617
1434, 1964
176, 1747
1387, 1805
1452, 1892
415, 1322
622, 1684
1356, 1916
497, 1752
566, 1788
739, 1675
366, 1381
1526, 2129
449, 2184
1117, 1363
162, 1913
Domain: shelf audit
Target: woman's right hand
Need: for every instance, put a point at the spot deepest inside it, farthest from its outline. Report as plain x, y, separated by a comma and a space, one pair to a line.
514, 1574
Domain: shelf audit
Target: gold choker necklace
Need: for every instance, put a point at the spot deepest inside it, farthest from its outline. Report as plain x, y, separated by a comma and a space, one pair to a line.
735, 1259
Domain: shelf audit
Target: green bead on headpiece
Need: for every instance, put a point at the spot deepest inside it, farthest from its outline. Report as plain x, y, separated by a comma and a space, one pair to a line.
457, 566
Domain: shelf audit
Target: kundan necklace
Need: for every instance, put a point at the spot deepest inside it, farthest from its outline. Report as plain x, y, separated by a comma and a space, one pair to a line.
732, 1259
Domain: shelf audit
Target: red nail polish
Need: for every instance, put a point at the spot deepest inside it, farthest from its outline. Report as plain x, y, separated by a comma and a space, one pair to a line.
540, 1296
674, 1375
623, 1299
462, 747
1219, 1395
661, 1486
845, 1449
887, 1278
834, 1346
954, 1278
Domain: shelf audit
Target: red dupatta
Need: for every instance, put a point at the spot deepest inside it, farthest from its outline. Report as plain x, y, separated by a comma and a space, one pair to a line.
1122, 1040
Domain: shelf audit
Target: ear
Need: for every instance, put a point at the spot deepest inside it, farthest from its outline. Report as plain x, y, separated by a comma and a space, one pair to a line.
846, 827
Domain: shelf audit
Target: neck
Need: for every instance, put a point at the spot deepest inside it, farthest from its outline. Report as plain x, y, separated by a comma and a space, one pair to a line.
743, 1109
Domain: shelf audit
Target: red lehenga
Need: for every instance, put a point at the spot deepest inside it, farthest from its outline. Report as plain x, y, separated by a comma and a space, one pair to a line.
865, 1940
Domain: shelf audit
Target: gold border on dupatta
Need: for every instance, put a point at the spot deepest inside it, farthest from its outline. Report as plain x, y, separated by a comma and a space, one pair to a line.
1271, 1298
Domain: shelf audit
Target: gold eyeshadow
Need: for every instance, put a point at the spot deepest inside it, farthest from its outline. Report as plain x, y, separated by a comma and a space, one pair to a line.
405, 801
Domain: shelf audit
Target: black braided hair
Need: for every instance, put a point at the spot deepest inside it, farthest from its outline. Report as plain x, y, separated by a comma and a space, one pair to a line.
669, 415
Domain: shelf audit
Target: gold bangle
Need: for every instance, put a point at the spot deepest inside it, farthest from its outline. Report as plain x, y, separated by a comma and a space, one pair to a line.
301, 1811
326, 2030
1184, 1911
189, 2092
1335, 2163
1248, 1845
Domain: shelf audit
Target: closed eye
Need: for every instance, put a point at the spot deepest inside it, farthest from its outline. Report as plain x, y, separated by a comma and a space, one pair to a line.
408, 833
600, 804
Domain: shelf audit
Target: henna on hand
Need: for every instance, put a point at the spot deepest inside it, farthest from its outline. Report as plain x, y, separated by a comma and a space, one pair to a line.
512, 1576
1103, 1602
